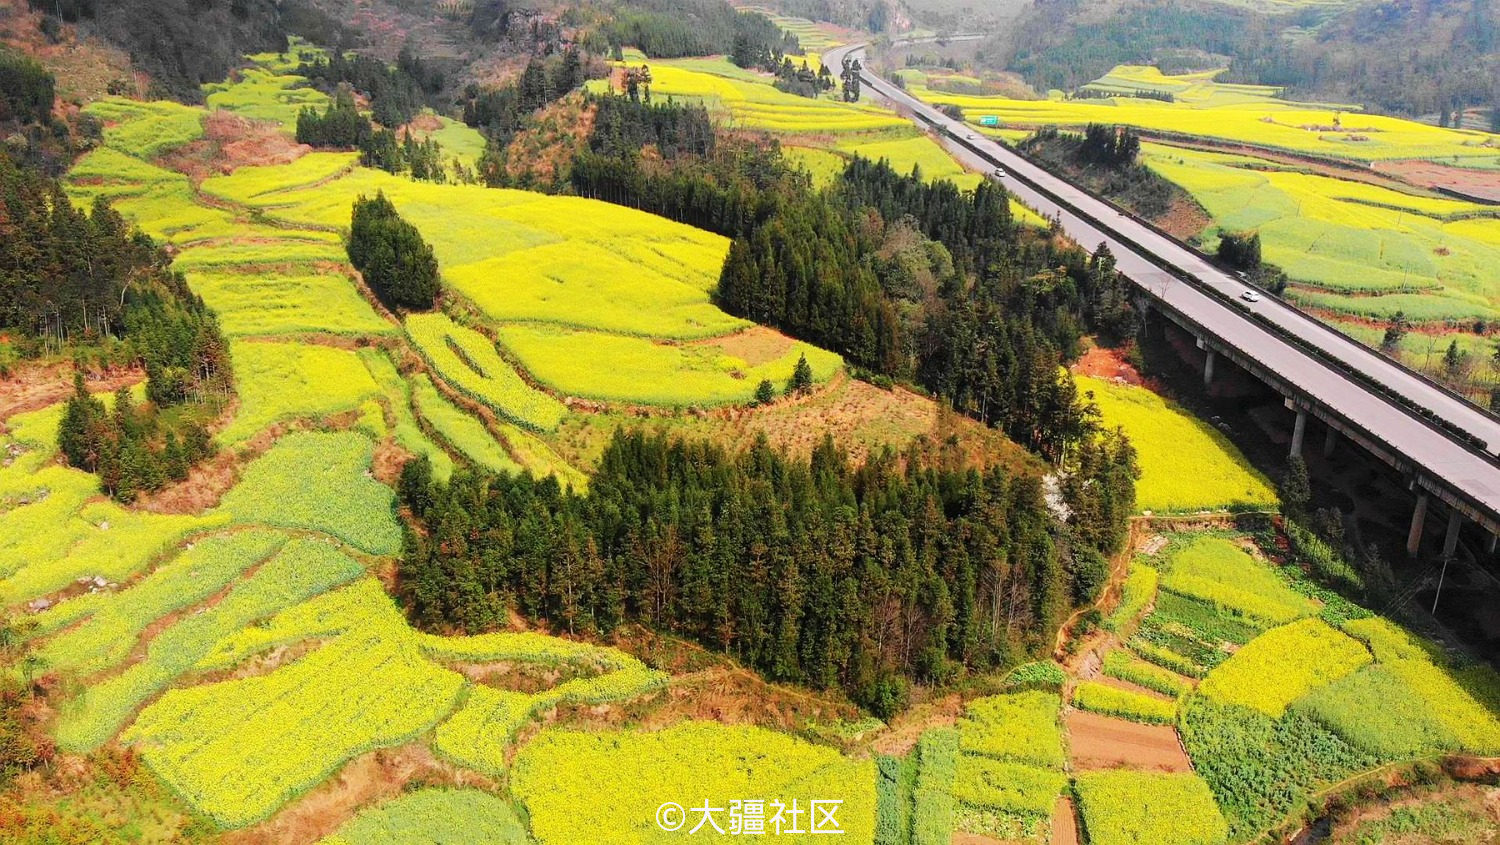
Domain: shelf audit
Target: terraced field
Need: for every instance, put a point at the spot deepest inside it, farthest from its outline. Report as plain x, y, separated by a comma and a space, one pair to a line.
282, 564
1246, 114
821, 134
749, 102
1352, 249
262, 245
250, 653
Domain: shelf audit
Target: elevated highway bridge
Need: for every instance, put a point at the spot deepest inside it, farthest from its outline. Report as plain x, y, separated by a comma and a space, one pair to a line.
1446, 447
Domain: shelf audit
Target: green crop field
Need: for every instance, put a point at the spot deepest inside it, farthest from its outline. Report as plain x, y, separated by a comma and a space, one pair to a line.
1463, 700
1121, 665
1222, 573
280, 304
528, 257
1283, 665
316, 481
1008, 772
1139, 590
230, 597
984, 784
282, 381
919, 151
269, 91
147, 129
458, 140
1019, 726
1186, 463
755, 105
460, 430
104, 626
237, 750
468, 360
299, 571
1376, 711
404, 428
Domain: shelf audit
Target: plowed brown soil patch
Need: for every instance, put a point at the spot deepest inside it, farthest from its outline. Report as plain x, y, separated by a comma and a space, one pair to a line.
1104, 742
206, 483
755, 346
1104, 363
424, 123
230, 142
1481, 184
33, 388
1184, 218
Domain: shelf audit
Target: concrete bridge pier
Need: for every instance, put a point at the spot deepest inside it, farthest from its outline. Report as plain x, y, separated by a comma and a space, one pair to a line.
1490, 543
1450, 539
1299, 428
1418, 519
1330, 440
1208, 368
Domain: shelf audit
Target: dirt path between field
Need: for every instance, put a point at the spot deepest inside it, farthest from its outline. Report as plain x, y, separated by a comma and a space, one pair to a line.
363, 781
1108, 597
1104, 742
1064, 822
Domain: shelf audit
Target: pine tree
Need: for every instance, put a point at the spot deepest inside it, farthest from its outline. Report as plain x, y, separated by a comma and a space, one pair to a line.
1296, 489
415, 484
765, 393
78, 435
802, 378
1394, 332
1455, 361
174, 462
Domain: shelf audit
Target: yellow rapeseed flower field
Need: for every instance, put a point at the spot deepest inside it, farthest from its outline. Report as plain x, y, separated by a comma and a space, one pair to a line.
1284, 664
1186, 464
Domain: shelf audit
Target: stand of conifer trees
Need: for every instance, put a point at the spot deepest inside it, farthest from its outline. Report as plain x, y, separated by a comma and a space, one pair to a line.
820, 571
397, 264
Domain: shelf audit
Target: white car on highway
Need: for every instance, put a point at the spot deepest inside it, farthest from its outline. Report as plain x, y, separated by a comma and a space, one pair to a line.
1250, 296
